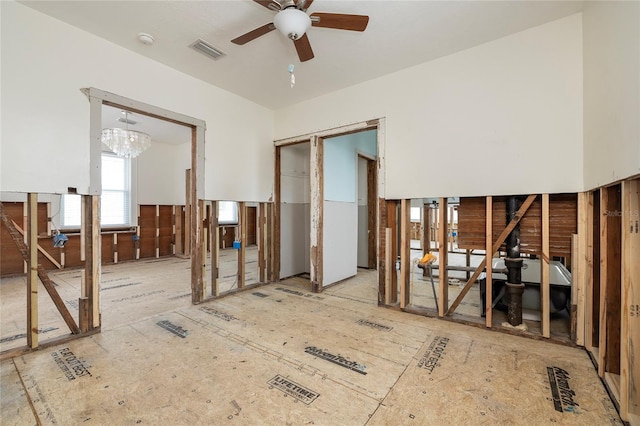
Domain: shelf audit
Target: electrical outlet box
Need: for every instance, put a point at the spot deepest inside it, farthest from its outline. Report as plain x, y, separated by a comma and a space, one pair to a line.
236, 245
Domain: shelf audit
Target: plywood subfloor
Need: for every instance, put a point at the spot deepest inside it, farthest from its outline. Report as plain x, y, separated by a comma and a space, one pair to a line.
470, 308
279, 354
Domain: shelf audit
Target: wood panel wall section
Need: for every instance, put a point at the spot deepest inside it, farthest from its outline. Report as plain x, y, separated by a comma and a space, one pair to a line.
563, 223
147, 224
11, 261
158, 229
251, 223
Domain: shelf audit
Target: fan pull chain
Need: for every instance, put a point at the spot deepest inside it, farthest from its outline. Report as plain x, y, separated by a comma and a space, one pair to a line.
293, 77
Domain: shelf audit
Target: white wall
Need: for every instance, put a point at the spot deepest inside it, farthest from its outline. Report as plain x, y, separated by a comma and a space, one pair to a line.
161, 173
340, 215
611, 91
45, 117
340, 241
295, 215
501, 118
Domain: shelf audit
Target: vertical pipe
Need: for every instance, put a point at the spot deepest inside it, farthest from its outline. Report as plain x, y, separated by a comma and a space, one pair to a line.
513, 262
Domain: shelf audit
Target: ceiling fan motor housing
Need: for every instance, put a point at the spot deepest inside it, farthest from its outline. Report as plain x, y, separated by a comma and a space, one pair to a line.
292, 22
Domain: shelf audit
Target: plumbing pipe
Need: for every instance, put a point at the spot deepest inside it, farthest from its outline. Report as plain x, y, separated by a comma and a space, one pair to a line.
513, 262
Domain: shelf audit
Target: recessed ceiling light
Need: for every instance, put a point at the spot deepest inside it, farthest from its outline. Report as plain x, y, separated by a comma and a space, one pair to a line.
145, 38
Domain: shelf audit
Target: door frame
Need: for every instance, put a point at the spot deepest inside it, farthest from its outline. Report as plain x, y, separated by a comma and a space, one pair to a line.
317, 178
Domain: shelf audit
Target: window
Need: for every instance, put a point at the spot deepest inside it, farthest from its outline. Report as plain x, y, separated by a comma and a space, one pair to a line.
415, 214
116, 195
227, 213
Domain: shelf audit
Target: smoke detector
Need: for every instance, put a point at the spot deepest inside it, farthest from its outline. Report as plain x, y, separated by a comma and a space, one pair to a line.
146, 39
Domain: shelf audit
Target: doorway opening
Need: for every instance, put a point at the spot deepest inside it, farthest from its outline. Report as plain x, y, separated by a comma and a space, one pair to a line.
327, 190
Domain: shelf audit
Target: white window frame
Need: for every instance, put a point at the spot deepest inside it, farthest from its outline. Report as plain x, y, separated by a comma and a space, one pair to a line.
72, 201
227, 213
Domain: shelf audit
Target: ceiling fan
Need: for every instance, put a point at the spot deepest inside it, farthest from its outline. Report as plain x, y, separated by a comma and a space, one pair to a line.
293, 21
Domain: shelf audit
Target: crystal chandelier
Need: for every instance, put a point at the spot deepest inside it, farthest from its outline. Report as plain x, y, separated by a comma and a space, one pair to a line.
124, 142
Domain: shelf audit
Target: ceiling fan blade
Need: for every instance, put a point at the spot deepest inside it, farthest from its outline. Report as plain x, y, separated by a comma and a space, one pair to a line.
340, 21
269, 4
303, 47
254, 34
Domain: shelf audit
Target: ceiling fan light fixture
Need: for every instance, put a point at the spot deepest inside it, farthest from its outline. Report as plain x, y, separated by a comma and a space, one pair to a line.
292, 22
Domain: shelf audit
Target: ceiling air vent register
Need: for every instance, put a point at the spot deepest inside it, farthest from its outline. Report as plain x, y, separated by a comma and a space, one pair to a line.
207, 49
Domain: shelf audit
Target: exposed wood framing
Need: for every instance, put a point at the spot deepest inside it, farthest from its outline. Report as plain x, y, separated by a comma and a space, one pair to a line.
177, 234
214, 248
156, 239
489, 272
443, 273
115, 247
317, 205
174, 209
392, 224
197, 189
137, 239
372, 199
242, 226
83, 230
90, 294
32, 267
405, 251
263, 242
194, 181
563, 223
63, 257
276, 217
316, 171
496, 245
195, 243
592, 328
467, 260
544, 269
42, 274
575, 276
384, 253
450, 229
273, 249
630, 326
610, 281
343, 130
425, 235
188, 218
48, 219
388, 266
583, 268
40, 249
25, 237
426, 230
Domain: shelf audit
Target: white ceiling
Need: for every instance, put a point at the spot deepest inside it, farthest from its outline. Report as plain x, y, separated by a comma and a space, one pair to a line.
400, 34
